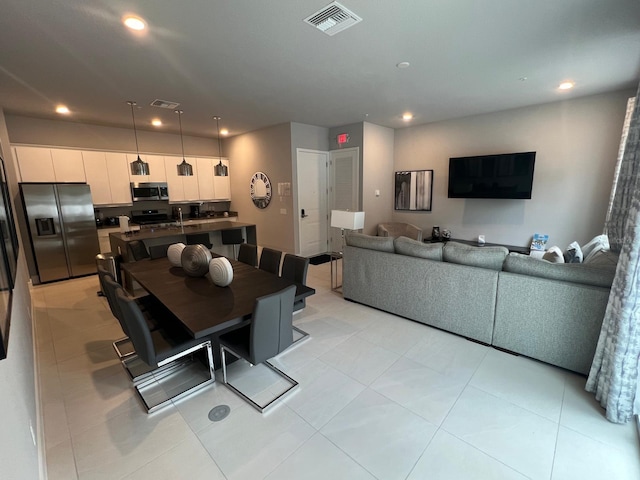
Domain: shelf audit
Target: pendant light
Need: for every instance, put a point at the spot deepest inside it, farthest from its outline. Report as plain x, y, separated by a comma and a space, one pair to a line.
220, 170
184, 169
138, 167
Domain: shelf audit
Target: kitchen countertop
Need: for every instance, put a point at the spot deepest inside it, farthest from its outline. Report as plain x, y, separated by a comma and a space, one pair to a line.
160, 232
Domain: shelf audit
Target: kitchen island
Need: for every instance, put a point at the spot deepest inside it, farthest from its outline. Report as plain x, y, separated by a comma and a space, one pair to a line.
151, 236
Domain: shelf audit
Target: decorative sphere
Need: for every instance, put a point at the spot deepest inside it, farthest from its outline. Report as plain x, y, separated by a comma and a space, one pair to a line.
221, 271
174, 254
195, 260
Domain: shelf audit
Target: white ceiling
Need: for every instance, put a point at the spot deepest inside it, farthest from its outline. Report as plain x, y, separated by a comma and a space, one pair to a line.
256, 63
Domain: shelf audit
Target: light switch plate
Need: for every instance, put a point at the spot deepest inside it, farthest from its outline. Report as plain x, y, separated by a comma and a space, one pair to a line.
283, 211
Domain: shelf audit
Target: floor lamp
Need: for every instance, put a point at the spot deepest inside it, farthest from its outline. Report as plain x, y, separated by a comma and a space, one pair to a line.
344, 220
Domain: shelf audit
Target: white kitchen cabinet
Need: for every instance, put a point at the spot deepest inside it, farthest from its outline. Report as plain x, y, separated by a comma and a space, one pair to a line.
95, 167
222, 185
118, 171
35, 164
181, 189
68, 165
205, 179
156, 168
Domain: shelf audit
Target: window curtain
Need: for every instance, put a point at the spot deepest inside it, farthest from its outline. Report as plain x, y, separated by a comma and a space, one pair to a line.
614, 372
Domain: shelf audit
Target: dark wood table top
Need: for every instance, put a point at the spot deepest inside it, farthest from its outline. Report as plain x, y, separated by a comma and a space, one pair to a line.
201, 306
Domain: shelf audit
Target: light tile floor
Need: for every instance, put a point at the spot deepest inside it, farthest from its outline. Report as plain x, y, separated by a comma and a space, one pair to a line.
381, 398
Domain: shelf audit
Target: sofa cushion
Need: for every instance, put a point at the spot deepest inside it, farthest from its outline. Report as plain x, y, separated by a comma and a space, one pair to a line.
414, 248
567, 272
383, 244
553, 255
483, 257
573, 253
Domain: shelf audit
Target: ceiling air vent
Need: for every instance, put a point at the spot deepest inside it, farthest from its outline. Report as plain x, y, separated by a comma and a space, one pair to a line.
333, 18
165, 104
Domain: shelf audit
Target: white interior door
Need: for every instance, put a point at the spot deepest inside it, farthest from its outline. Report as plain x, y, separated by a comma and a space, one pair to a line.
312, 201
344, 191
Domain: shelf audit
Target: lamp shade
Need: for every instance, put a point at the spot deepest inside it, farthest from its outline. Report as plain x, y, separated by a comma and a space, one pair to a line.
347, 220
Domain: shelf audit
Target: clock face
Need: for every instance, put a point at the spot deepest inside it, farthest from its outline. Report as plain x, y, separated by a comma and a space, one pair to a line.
260, 189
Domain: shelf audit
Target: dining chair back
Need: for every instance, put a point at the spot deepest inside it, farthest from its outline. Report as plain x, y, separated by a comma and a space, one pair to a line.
295, 268
270, 260
137, 328
269, 334
137, 250
158, 251
248, 254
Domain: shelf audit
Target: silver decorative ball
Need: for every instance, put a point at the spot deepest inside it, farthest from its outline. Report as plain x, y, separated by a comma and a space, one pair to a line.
195, 260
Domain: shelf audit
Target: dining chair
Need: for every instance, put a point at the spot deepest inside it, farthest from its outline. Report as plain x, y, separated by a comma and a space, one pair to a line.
248, 254
108, 286
199, 239
295, 268
162, 348
232, 237
270, 260
137, 250
269, 333
158, 251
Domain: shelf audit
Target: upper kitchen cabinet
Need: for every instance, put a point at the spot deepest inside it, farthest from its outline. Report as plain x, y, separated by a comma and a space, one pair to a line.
222, 183
35, 164
181, 189
156, 168
107, 175
41, 164
68, 165
206, 187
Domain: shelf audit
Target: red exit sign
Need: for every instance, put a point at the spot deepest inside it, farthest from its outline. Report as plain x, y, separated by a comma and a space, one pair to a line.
342, 138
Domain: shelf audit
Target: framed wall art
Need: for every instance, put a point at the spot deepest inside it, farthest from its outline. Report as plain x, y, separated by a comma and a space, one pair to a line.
413, 190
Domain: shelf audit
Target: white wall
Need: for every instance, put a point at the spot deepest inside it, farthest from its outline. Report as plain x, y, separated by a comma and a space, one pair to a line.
576, 143
18, 403
377, 174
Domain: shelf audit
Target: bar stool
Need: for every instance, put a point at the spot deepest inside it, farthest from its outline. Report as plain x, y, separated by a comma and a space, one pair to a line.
232, 237
199, 239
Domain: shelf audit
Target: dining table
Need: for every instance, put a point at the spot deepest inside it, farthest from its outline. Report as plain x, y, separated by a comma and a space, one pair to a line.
202, 307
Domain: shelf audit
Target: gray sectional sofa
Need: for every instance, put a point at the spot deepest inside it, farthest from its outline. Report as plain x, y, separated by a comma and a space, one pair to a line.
550, 312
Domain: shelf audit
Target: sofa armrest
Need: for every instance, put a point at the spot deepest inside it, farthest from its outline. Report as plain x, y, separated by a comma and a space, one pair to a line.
413, 232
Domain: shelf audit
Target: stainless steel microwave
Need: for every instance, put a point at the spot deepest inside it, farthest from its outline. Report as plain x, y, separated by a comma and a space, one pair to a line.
149, 191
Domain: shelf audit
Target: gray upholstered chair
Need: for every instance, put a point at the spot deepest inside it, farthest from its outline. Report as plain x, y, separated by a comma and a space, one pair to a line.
397, 229
248, 254
269, 334
270, 260
161, 348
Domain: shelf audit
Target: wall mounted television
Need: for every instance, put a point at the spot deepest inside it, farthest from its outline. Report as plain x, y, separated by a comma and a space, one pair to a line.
508, 175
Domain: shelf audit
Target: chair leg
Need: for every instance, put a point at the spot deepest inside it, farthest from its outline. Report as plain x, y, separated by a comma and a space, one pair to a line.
123, 341
257, 406
171, 365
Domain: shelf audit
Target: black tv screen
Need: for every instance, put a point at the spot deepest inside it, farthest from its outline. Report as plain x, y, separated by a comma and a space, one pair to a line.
508, 175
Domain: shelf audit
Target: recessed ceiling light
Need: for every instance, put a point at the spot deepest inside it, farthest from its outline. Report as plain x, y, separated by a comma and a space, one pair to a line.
566, 85
156, 122
62, 109
403, 65
407, 116
134, 23
224, 131
523, 79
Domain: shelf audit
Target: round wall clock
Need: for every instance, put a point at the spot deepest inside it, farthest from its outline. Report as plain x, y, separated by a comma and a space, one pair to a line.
260, 189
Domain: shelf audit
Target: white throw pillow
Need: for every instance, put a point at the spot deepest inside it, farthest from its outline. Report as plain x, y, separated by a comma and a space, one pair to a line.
598, 243
554, 255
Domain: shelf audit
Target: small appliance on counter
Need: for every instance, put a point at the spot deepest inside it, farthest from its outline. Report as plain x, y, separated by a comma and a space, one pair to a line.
195, 211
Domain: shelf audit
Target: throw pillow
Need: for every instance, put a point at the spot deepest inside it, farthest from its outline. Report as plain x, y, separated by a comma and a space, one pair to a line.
601, 242
554, 255
573, 254
603, 258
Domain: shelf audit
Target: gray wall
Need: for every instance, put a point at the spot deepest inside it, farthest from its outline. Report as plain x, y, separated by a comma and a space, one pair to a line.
377, 174
267, 150
576, 143
18, 402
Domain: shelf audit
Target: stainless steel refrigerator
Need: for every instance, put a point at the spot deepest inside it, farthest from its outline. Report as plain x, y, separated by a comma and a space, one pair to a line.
62, 228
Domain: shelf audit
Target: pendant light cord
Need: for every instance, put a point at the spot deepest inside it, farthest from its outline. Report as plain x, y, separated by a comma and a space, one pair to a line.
219, 142
180, 112
135, 132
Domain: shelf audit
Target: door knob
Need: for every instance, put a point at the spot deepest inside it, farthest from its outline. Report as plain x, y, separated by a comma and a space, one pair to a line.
302, 214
